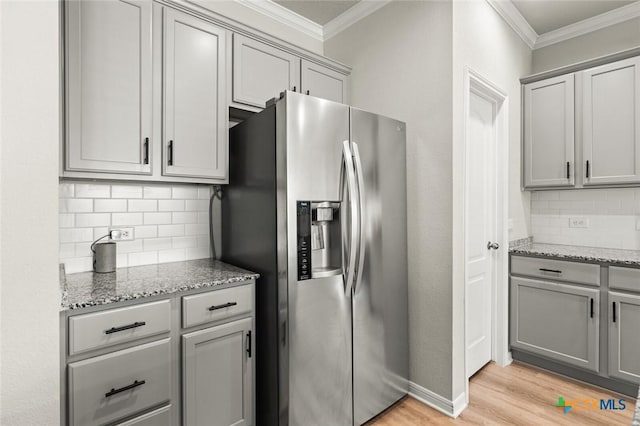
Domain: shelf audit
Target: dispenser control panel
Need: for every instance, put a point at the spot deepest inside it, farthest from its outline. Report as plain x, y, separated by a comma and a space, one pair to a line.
304, 240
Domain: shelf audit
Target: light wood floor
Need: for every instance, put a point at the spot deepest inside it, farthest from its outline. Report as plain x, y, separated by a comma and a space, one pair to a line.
513, 395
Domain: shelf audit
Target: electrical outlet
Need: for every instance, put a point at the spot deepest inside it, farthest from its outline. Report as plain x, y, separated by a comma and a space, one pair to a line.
122, 234
578, 222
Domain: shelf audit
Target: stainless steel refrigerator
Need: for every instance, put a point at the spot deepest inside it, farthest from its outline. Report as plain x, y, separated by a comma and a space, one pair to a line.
316, 203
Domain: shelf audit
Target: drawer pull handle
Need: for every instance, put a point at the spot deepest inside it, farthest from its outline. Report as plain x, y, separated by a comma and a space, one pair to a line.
125, 327
133, 385
555, 271
226, 305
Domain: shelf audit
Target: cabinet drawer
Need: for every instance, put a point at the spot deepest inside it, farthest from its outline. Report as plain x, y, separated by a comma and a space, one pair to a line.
557, 270
216, 305
97, 330
624, 278
159, 417
109, 387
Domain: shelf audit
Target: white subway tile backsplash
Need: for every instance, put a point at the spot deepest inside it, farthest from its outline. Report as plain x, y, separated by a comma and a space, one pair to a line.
154, 244
171, 222
110, 205
73, 205
126, 191
184, 192
147, 231
170, 230
171, 205
160, 218
184, 217
157, 192
612, 215
93, 219
143, 205
126, 219
84, 190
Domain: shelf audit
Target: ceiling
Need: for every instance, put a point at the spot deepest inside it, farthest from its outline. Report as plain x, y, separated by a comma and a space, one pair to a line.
549, 15
318, 11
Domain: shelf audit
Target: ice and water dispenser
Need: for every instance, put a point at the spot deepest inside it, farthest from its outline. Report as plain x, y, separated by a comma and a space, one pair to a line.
319, 239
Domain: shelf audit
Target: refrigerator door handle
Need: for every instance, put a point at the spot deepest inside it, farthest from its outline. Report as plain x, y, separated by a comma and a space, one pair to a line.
353, 209
361, 236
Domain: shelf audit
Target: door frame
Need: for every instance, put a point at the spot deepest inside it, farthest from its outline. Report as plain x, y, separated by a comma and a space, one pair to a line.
475, 83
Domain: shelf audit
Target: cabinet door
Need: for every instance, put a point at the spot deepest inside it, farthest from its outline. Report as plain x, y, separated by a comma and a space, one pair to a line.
195, 111
323, 82
624, 339
218, 375
548, 151
611, 116
261, 72
108, 86
555, 320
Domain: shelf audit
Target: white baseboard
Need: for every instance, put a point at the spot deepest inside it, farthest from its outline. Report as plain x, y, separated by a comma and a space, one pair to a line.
437, 402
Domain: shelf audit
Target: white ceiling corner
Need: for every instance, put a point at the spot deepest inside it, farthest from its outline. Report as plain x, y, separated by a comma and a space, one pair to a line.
285, 16
352, 15
586, 26
516, 21
519, 24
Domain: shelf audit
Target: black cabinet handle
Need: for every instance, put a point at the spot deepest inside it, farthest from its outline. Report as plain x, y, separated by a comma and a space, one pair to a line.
568, 170
170, 161
226, 305
294, 88
588, 174
146, 150
614, 311
135, 384
125, 327
591, 301
555, 271
249, 344
307, 92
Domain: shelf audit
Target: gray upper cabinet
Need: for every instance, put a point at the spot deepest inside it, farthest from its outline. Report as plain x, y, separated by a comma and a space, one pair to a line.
548, 151
261, 72
555, 320
611, 116
624, 339
195, 104
323, 82
108, 86
218, 375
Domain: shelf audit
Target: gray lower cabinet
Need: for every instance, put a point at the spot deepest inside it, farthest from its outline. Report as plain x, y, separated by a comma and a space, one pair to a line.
624, 336
159, 417
108, 86
218, 375
558, 321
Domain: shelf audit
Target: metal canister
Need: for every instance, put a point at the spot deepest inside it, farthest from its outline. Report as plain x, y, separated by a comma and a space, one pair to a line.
104, 257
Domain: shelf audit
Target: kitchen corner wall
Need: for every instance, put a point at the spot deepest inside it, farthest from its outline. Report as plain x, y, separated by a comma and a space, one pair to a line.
613, 217
170, 222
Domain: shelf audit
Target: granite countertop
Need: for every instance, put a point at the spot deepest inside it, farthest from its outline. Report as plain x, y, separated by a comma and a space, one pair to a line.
85, 289
591, 254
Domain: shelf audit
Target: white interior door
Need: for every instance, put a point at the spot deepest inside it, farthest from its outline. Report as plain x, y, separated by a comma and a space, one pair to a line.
480, 229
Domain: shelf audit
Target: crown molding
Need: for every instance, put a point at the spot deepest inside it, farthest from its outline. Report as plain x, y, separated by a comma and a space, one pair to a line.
516, 21
285, 16
589, 25
352, 15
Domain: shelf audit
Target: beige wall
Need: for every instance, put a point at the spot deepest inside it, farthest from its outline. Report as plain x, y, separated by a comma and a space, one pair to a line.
625, 35
29, 82
247, 16
401, 59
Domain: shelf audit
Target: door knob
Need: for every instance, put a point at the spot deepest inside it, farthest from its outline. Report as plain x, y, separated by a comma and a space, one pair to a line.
491, 245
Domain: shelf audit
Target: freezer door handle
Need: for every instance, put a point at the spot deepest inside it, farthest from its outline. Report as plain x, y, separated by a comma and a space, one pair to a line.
353, 210
361, 239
